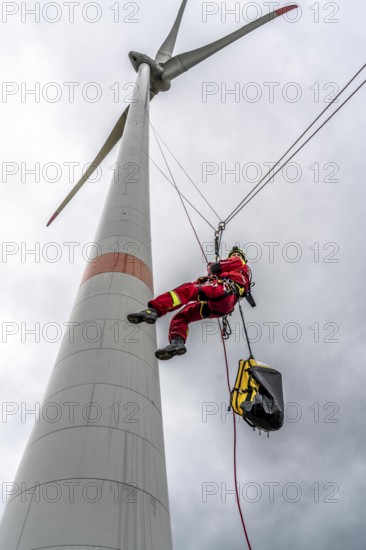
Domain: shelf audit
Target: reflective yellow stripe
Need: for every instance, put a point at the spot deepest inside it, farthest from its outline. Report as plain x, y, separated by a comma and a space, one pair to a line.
176, 300
201, 308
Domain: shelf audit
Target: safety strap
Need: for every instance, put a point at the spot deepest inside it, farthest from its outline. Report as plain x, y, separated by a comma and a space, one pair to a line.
246, 332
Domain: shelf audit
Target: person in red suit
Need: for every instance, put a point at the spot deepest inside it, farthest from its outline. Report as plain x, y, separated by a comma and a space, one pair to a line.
209, 297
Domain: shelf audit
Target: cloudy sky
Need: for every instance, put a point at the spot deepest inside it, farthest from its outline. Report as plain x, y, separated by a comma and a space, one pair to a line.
225, 121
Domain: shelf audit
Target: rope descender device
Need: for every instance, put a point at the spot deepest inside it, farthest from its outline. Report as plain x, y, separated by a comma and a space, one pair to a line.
218, 236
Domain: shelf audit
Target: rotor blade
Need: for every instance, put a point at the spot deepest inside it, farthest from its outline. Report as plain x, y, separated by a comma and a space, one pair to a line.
111, 141
183, 62
166, 49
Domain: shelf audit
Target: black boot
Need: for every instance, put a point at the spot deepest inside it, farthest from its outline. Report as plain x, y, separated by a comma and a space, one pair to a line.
176, 347
148, 316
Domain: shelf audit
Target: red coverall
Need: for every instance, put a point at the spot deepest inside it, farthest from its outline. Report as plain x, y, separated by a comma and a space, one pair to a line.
210, 299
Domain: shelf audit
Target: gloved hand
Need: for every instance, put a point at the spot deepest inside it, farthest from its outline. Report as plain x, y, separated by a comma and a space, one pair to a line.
214, 268
202, 279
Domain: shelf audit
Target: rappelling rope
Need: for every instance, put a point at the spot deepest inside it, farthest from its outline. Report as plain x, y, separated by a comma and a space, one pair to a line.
225, 332
270, 174
248, 198
179, 194
234, 450
218, 237
185, 198
218, 234
188, 176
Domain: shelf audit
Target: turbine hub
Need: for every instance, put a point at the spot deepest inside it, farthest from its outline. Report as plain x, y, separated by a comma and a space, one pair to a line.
157, 84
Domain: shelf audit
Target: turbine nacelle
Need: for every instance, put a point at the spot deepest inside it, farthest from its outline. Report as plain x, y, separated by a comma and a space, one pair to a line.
157, 84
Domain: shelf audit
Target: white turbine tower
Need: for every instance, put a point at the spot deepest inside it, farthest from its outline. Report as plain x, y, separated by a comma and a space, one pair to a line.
93, 475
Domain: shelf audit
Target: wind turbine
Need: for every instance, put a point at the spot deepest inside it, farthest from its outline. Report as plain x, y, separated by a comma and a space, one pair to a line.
163, 69
93, 474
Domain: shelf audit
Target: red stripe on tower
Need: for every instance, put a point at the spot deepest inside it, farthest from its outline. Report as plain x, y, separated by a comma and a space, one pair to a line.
114, 262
